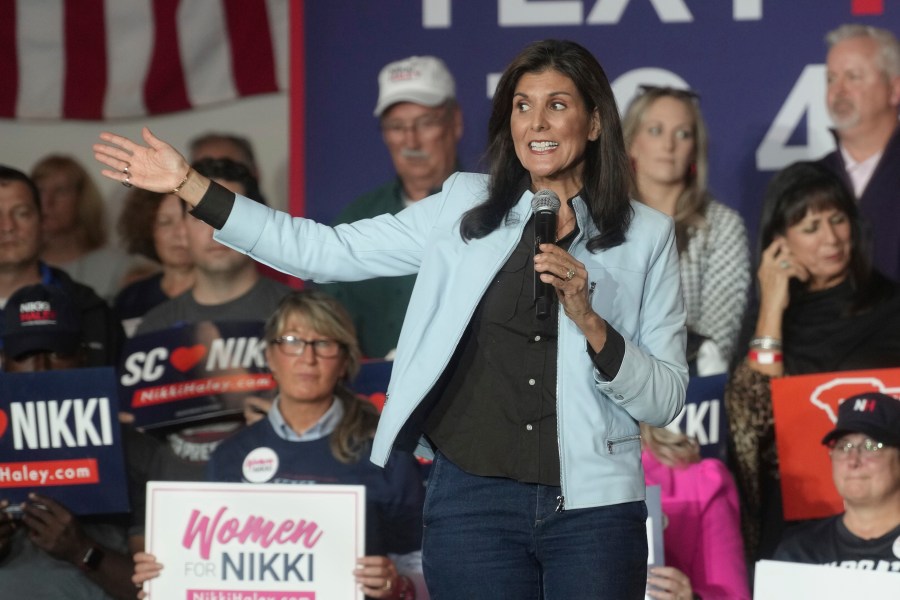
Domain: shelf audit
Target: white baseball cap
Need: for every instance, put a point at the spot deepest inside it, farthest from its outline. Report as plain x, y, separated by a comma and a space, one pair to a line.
420, 79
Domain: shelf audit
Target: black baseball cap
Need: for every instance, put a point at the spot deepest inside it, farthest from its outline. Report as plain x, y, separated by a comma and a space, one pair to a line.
40, 318
875, 414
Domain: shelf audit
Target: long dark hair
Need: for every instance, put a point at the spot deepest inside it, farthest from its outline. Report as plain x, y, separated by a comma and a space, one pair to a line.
805, 186
607, 174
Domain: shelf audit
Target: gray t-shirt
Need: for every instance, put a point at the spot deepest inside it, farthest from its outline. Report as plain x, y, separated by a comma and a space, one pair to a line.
256, 305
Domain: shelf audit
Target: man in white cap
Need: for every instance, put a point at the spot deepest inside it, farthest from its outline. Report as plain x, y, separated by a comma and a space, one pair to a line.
865, 466
421, 125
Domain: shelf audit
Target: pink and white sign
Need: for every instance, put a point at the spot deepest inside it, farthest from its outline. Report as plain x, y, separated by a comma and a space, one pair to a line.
239, 541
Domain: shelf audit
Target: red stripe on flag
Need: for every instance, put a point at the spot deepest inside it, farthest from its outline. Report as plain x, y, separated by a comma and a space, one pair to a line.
867, 7
9, 63
84, 85
252, 54
165, 89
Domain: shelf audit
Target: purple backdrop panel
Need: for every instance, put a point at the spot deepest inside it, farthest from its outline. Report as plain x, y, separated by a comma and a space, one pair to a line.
756, 63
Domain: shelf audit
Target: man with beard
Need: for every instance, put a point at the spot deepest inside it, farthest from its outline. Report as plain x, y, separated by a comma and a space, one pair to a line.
421, 124
863, 98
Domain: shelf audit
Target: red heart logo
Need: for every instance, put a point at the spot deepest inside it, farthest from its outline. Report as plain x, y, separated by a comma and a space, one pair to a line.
3, 422
185, 358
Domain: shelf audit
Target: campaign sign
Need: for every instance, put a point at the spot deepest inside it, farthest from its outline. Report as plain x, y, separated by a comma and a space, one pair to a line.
193, 372
655, 526
776, 580
805, 409
60, 437
244, 541
703, 416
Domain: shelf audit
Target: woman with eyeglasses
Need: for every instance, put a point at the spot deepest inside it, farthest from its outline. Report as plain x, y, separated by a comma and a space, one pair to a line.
821, 308
322, 433
666, 138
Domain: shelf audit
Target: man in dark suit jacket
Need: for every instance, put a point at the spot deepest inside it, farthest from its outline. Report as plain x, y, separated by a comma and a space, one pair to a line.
863, 99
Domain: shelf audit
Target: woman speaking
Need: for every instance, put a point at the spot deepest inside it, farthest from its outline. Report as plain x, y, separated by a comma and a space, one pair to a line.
536, 490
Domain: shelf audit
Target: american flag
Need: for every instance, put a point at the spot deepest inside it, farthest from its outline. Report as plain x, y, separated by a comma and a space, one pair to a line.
107, 59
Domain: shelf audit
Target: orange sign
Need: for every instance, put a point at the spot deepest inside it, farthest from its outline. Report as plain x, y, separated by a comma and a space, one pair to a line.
805, 409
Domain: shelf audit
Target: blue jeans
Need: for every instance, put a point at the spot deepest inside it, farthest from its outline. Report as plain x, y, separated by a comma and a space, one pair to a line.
496, 538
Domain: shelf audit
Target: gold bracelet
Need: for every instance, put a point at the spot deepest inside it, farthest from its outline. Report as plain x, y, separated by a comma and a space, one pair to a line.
183, 181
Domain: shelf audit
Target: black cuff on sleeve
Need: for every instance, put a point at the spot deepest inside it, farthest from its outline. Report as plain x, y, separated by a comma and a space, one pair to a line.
215, 205
609, 360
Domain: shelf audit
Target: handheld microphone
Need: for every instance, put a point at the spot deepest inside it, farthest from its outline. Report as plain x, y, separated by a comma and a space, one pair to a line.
545, 206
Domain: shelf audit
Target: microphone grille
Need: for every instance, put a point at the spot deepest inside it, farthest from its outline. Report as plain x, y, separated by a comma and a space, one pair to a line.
545, 200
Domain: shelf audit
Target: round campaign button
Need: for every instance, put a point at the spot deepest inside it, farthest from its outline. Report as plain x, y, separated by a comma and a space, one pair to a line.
260, 465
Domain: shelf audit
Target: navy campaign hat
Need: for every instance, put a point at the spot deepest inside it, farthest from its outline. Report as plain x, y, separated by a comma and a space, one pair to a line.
40, 318
875, 414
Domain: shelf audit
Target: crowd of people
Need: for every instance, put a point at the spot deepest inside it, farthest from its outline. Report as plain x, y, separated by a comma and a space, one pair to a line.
541, 432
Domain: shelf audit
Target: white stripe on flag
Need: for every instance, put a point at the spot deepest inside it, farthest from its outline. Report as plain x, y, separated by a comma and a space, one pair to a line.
205, 53
129, 45
280, 25
41, 60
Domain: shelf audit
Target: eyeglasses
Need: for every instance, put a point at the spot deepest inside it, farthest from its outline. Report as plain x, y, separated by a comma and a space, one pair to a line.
867, 449
291, 345
425, 125
665, 90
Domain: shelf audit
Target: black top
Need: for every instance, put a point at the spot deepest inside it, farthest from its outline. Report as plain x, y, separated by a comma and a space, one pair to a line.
496, 415
829, 542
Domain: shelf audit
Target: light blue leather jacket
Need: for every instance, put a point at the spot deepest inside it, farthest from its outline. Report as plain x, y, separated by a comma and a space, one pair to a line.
637, 290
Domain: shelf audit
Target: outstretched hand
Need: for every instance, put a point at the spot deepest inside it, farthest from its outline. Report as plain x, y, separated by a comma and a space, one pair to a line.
156, 166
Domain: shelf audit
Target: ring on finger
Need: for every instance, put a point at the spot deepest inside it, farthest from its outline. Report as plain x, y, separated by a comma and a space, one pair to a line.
570, 274
125, 170
127, 181
784, 264
388, 584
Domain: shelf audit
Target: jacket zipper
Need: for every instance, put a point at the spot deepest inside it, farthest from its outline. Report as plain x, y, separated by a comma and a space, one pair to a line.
617, 441
561, 499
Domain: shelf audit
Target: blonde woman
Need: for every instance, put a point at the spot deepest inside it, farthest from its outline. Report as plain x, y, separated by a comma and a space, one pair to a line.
74, 227
702, 538
322, 432
667, 141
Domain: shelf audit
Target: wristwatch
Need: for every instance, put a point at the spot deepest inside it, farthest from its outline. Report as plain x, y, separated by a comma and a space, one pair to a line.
91, 559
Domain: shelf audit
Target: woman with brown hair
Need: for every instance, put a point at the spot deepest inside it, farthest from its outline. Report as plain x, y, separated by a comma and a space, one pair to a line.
164, 242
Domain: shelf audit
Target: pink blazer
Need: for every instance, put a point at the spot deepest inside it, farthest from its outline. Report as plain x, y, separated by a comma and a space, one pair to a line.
702, 537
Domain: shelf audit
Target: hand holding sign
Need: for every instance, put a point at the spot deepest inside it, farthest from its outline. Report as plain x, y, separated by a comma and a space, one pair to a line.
55, 530
145, 568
